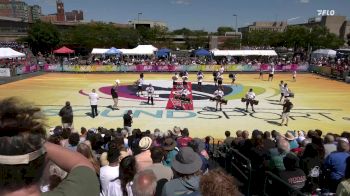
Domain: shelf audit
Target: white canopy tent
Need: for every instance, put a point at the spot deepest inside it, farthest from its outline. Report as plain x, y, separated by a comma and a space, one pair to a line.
99, 50
6, 53
244, 52
140, 50
324, 53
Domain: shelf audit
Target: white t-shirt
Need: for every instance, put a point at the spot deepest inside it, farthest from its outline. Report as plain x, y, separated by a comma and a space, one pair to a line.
114, 189
150, 90
93, 98
222, 69
200, 77
108, 173
140, 82
250, 95
281, 87
219, 93
285, 91
185, 92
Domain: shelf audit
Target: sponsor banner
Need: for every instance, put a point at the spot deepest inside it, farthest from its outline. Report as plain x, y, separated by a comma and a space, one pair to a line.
172, 68
26, 69
5, 72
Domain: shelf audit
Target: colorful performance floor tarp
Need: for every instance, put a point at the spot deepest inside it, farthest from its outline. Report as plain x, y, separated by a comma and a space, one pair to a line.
319, 102
175, 101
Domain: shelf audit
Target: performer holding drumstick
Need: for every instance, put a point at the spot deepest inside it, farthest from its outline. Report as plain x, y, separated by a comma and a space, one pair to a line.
184, 78
150, 93
175, 78
200, 77
218, 96
250, 96
139, 85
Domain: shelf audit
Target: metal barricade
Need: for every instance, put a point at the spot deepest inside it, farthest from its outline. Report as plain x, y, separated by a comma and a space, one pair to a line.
274, 186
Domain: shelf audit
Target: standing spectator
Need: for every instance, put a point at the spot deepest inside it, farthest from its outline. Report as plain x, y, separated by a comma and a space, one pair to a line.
121, 186
66, 114
27, 142
86, 151
161, 171
187, 165
128, 121
336, 164
329, 145
287, 106
228, 141
144, 183
170, 151
110, 171
144, 160
93, 96
184, 139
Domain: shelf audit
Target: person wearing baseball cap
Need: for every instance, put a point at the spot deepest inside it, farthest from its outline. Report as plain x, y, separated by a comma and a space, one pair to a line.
187, 165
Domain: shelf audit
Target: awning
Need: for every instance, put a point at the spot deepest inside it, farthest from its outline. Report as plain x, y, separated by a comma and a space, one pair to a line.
6, 53
63, 50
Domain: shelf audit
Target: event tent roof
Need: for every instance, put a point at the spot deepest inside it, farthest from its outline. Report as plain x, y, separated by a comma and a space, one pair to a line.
202, 52
163, 52
140, 50
244, 52
63, 50
9, 53
325, 52
113, 51
99, 50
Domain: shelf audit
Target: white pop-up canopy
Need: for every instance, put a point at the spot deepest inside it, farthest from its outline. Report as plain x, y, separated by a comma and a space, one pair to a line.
244, 52
99, 50
140, 50
324, 52
6, 53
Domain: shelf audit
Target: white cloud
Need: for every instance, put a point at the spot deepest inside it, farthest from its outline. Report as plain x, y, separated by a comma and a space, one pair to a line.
304, 1
182, 2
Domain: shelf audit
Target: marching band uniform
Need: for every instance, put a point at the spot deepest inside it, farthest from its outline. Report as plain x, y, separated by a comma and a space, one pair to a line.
150, 93
281, 87
185, 78
215, 75
200, 77
219, 94
175, 78
222, 69
219, 78
250, 96
139, 86
234, 77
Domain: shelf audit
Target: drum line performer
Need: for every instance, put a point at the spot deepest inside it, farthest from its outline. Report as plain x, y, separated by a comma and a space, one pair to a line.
250, 96
139, 85
281, 87
219, 94
175, 78
220, 79
200, 77
183, 96
150, 93
215, 76
184, 78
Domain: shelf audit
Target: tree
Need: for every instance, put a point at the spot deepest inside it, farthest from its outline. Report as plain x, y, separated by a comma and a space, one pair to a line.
222, 30
43, 37
231, 43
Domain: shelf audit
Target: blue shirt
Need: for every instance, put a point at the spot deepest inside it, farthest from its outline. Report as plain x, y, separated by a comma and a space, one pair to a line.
336, 163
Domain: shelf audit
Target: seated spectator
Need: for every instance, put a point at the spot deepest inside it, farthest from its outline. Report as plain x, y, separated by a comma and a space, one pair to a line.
184, 139
198, 146
171, 151
238, 139
291, 139
343, 188
144, 159
228, 140
83, 133
144, 183
161, 171
335, 163
292, 173
268, 143
217, 182
329, 145
110, 171
187, 165
121, 186
73, 141
65, 135
24, 155
277, 155
86, 151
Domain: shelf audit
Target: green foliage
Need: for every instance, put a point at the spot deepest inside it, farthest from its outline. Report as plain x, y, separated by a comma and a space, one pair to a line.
43, 37
222, 30
231, 43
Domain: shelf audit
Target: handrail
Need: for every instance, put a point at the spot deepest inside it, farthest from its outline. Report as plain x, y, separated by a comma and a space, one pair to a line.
280, 181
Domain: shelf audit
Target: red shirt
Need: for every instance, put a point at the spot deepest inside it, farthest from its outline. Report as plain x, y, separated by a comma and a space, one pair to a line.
183, 141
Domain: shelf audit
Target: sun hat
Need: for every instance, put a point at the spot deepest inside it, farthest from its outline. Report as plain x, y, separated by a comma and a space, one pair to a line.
289, 136
186, 161
145, 143
169, 144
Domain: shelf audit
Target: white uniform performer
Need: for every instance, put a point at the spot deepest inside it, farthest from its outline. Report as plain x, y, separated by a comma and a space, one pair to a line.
250, 96
200, 77
220, 79
150, 93
222, 69
295, 76
139, 86
219, 94
185, 78
286, 91
272, 72
175, 78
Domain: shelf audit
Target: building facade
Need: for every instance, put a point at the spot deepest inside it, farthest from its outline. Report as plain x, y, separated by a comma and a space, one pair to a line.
74, 15
277, 26
19, 9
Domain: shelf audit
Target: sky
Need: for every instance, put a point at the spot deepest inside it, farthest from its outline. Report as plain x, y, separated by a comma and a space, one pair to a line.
205, 15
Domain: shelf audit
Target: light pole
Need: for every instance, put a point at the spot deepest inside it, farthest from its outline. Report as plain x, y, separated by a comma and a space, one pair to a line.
236, 28
138, 17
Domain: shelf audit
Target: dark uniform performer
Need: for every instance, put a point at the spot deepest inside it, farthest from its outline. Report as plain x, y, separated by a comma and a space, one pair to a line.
287, 106
200, 77
233, 77
218, 95
281, 86
215, 75
220, 79
139, 85
250, 96
114, 93
150, 93
184, 78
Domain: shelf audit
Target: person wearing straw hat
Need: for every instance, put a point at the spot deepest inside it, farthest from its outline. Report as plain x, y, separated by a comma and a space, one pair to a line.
144, 160
187, 165
114, 93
